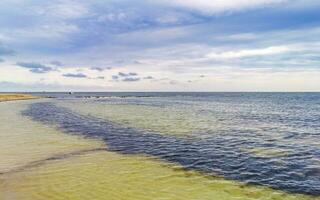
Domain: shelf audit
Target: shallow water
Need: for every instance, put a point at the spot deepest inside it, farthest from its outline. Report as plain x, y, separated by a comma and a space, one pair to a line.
164, 147
105, 175
24, 141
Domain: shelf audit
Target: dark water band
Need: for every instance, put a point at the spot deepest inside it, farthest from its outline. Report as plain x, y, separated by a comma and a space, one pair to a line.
219, 155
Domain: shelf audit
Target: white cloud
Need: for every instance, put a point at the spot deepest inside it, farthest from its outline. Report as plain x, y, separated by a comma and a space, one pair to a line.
218, 6
66, 10
249, 52
112, 17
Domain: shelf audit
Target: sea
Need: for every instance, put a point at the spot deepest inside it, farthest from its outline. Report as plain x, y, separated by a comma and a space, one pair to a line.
164, 145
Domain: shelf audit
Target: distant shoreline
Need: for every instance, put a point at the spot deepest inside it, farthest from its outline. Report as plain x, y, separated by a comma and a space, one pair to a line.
14, 97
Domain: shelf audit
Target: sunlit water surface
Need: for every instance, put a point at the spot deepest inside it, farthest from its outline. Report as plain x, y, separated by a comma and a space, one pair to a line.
162, 147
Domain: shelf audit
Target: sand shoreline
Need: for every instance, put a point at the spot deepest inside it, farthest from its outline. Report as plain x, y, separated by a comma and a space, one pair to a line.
14, 97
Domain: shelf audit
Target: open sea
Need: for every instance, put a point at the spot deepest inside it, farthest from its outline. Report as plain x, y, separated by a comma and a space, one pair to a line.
161, 146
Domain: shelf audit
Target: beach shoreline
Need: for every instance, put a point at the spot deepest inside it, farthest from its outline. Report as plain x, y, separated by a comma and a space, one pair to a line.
14, 97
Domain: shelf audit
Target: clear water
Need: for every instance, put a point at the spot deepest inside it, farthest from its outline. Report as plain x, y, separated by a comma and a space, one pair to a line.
260, 145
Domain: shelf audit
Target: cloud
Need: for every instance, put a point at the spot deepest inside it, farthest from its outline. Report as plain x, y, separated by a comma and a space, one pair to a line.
75, 75
35, 67
131, 79
9, 86
5, 51
114, 77
249, 52
64, 10
127, 74
218, 6
112, 17
56, 63
148, 77
100, 69
1, 60
173, 82
177, 39
127, 77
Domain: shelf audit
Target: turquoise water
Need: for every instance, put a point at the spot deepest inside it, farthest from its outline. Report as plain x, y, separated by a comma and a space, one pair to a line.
264, 139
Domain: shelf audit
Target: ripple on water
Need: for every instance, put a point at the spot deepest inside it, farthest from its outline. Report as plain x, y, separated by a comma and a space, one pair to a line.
222, 155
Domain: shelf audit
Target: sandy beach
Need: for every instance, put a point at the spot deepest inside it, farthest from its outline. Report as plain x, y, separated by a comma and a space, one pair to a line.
13, 97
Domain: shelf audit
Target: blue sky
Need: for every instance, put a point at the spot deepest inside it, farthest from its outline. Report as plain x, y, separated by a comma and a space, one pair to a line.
160, 45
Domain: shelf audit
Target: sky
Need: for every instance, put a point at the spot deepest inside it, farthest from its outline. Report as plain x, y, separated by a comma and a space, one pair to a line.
159, 45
